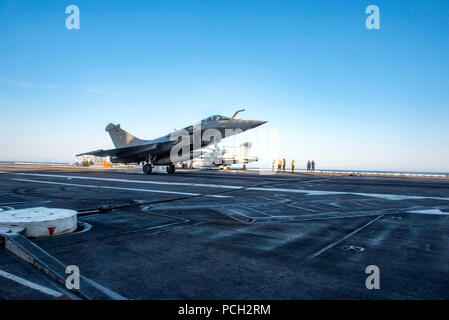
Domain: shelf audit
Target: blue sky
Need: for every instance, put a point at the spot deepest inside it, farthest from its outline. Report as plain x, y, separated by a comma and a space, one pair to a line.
336, 92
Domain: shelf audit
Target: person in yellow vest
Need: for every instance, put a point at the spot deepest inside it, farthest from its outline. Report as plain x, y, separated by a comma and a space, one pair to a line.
279, 164
293, 166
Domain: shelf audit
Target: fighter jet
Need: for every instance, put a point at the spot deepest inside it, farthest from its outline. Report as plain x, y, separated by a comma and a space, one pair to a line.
180, 145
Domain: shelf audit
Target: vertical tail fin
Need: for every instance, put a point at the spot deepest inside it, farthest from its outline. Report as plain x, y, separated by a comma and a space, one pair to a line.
122, 138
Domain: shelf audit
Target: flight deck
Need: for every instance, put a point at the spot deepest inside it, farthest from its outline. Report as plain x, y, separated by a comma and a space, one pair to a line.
209, 234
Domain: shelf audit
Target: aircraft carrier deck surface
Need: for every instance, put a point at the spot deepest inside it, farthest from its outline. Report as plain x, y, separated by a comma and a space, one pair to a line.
234, 235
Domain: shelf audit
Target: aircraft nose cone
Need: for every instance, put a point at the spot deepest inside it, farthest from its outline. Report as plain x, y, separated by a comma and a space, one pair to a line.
256, 123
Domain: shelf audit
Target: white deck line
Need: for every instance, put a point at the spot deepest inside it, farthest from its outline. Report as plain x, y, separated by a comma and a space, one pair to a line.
325, 193
127, 180
430, 211
30, 284
306, 191
117, 188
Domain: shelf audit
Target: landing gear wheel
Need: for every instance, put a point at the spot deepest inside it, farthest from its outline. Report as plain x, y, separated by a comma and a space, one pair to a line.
171, 169
147, 168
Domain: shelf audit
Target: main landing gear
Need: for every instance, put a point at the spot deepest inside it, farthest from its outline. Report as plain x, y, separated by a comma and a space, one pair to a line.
147, 168
171, 169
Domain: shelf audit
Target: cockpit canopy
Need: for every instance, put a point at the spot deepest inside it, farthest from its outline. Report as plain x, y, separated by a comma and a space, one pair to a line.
215, 118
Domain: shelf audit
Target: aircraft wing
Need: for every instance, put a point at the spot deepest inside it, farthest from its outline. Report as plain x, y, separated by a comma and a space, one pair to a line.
125, 151
99, 153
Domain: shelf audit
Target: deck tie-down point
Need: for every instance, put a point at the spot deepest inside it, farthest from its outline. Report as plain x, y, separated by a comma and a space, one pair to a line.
353, 248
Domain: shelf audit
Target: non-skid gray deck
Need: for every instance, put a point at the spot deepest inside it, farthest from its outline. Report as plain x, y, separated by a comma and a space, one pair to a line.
174, 236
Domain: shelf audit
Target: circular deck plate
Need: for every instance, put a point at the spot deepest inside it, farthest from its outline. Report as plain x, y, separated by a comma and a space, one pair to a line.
40, 222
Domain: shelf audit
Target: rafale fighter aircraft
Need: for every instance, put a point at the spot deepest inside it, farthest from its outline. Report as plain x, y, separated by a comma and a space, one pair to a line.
167, 149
